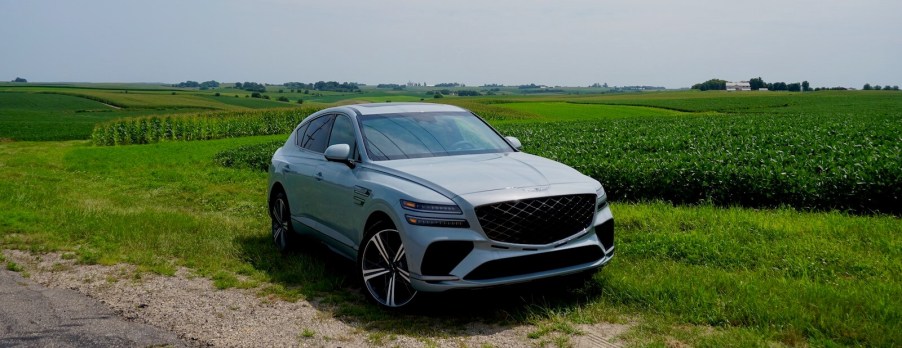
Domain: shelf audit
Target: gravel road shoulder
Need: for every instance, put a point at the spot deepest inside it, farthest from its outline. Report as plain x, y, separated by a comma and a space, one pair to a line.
32, 315
193, 310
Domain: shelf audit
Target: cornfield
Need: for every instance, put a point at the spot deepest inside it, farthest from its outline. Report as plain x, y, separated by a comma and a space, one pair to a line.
202, 126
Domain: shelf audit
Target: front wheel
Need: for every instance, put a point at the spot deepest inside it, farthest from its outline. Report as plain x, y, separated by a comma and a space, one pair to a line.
383, 268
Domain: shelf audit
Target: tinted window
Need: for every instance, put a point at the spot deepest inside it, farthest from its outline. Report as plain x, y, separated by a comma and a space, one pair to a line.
428, 134
343, 133
317, 135
300, 135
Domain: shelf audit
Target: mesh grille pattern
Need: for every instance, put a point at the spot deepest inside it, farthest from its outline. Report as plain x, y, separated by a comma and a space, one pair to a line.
536, 221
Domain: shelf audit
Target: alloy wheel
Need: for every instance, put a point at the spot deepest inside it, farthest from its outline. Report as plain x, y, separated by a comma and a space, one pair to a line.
384, 269
280, 219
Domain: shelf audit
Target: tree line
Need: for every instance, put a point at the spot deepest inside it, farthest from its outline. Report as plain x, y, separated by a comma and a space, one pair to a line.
868, 87
756, 83
195, 84
334, 86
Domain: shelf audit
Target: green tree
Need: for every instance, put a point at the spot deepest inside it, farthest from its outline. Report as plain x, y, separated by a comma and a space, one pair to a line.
805, 86
867, 87
778, 86
712, 84
757, 83
19, 79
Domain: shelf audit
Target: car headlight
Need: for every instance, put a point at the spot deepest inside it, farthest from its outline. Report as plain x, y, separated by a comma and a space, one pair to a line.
601, 199
431, 208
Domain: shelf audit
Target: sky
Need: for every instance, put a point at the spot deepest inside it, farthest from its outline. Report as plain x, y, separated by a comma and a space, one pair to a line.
568, 43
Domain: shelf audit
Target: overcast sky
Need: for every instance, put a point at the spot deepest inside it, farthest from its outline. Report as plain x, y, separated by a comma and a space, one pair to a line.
662, 42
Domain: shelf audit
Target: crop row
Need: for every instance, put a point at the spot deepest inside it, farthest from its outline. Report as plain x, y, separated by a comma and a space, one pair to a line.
228, 124
848, 162
202, 126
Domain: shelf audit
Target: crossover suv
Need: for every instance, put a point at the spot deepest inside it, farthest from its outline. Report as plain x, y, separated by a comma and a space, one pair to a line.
429, 197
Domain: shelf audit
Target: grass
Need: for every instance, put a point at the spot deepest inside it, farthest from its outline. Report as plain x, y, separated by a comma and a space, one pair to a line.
14, 267
32, 116
763, 276
251, 103
783, 272
68, 113
881, 102
683, 275
562, 111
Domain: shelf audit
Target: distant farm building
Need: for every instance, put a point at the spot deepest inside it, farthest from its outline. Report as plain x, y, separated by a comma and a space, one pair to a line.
739, 86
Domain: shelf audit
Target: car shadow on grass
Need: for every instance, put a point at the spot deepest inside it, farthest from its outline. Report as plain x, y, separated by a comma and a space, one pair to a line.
328, 282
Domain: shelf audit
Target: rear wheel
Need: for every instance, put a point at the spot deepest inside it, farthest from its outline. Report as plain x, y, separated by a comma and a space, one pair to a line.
283, 234
383, 267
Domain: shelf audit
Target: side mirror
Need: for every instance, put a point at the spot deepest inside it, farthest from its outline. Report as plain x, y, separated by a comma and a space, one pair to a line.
515, 142
338, 153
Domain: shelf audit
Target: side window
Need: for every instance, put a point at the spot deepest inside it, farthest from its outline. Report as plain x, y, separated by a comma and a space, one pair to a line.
300, 135
317, 134
343, 133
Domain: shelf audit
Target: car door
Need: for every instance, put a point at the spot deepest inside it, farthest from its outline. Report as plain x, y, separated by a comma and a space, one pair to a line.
300, 173
337, 182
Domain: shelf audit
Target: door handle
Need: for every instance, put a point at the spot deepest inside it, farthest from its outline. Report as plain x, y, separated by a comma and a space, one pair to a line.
319, 176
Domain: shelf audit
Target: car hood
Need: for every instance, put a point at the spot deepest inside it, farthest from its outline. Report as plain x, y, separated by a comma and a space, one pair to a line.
465, 174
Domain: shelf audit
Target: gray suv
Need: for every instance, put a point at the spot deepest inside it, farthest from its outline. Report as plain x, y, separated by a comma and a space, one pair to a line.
429, 197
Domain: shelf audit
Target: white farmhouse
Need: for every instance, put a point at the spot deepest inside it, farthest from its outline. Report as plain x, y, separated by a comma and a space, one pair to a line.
739, 86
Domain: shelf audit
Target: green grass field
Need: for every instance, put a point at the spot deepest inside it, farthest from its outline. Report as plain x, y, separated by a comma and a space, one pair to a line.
36, 116
697, 274
563, 111
70, 112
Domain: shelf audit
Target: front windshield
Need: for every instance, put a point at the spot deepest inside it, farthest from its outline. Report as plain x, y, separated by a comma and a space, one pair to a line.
428, 134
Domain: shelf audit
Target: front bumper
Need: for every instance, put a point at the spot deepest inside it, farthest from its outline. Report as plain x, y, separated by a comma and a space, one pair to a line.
483, 263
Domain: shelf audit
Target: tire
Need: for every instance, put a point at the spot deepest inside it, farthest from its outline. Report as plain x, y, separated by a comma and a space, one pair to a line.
283, 233
383, 268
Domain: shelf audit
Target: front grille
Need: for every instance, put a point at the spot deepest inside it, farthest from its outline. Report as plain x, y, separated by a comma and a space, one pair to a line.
538, 220
521, 265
